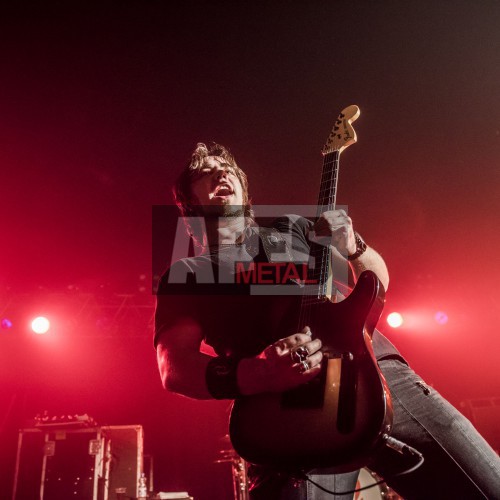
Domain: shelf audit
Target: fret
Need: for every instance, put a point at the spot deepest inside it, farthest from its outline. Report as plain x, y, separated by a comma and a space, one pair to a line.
322, 255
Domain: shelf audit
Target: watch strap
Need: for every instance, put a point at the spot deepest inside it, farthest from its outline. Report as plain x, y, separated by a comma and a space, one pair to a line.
360, 247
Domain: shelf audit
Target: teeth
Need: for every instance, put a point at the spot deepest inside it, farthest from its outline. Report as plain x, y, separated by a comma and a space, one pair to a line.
224, 190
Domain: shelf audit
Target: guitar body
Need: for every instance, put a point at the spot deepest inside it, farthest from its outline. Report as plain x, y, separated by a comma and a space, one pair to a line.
338, 418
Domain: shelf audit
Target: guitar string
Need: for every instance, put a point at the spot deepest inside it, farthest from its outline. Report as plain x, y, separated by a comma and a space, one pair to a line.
313, 294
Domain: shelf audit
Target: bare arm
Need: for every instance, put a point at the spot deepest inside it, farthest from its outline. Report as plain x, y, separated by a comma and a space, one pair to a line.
338, 226
370, 260
182, 366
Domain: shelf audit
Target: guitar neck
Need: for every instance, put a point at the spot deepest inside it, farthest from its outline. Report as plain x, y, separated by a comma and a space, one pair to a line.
322, 254
341, 137
328, 187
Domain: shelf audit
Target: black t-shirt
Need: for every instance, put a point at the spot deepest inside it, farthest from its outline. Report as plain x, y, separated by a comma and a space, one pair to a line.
241, 301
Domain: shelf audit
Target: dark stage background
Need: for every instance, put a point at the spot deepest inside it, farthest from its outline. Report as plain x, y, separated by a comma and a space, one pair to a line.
101, 105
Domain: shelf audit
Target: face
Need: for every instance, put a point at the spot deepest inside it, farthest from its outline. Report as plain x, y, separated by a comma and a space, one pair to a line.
216, 185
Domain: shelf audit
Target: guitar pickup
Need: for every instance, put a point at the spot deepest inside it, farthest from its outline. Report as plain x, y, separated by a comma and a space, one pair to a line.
346, 410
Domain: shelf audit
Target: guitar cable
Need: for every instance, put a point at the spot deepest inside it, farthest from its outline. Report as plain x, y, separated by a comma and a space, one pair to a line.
392, 443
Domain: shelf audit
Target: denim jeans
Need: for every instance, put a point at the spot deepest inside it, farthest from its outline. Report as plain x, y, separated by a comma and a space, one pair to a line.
458, 463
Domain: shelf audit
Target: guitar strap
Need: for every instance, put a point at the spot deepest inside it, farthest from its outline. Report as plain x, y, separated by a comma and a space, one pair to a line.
275, 245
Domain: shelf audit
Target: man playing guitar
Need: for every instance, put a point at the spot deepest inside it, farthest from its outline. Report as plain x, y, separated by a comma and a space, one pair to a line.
259, 352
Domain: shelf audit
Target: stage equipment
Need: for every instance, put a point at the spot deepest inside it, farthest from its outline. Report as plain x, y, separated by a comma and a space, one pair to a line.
70, 460
238, 469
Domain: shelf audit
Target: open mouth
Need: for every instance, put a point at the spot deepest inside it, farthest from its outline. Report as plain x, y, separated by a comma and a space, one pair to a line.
223, 190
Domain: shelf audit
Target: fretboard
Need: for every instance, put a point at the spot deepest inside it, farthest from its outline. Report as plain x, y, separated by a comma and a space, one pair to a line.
322, 253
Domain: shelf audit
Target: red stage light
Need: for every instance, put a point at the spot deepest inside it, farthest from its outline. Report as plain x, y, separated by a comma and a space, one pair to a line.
40, 325
395, 320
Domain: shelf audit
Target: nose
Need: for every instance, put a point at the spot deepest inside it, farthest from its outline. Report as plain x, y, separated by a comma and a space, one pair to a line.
221, 173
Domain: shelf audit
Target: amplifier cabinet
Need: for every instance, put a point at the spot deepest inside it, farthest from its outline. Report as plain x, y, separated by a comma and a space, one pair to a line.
95, 463
58, 464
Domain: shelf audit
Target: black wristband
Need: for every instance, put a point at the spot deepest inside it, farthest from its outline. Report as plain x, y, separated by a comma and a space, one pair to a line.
221, 378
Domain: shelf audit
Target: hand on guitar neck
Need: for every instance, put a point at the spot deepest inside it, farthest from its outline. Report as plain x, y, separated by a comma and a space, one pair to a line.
335, 228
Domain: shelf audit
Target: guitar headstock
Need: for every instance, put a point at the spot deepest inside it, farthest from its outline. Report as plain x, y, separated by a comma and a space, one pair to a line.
342, 134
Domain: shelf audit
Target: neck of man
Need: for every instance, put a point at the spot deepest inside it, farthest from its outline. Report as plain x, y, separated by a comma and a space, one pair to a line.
224, 230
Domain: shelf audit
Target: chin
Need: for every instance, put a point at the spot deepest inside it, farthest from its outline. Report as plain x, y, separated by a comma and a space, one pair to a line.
233, 210
224, 209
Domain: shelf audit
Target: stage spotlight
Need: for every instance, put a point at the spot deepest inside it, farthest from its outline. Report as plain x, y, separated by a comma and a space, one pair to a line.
441, 318
6, 323
395, 320
40, 325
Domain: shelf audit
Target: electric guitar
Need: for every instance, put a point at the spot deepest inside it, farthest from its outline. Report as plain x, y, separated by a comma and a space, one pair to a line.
337, 419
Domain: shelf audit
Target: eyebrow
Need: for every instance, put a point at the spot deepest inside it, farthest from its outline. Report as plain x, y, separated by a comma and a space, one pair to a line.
224, 165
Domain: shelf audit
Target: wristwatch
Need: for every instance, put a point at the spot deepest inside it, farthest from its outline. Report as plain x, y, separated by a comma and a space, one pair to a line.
360, 247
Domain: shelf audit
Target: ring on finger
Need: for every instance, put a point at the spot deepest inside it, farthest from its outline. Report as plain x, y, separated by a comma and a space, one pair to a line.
300, 354
304, 366
303, 352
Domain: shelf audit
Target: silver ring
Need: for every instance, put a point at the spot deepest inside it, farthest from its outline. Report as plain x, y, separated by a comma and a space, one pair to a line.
303, 352
300, 354
304, 366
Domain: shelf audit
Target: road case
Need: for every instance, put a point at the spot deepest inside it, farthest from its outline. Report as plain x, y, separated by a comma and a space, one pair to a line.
94, 463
